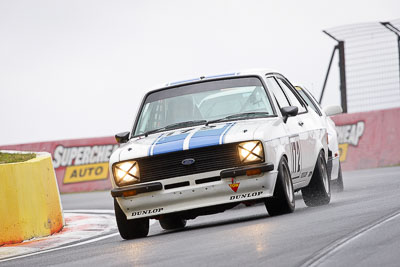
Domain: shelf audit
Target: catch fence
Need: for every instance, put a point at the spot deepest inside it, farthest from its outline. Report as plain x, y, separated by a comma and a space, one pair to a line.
369, 62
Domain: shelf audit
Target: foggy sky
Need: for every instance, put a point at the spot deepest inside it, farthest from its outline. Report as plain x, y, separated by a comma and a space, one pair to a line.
72, 69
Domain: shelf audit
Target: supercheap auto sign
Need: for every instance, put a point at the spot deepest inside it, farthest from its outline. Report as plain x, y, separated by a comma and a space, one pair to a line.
369, 139
349, 134
83, 163
80, 165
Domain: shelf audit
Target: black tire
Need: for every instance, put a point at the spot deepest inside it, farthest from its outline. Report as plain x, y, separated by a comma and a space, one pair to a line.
318, 192
130, 229
283, 200
172, 222
337, 185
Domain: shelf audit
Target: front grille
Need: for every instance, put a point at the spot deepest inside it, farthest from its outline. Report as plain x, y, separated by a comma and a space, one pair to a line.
170, 165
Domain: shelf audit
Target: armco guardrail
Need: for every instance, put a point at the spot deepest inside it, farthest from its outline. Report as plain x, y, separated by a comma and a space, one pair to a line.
81, 165
369, 139
30, 203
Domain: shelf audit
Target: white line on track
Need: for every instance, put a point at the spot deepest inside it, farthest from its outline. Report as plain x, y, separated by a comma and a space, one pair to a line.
90, 211
76, 244
323, 254
60, 248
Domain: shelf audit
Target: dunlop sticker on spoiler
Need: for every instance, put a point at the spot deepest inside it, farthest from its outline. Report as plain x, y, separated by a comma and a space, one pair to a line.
245, 196
147, 212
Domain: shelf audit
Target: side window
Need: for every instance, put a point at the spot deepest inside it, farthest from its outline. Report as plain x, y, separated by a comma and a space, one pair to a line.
277, 91
308, 100
293, 99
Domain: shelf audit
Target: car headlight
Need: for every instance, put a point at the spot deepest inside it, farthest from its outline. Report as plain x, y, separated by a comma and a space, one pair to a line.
251, 151
126, 172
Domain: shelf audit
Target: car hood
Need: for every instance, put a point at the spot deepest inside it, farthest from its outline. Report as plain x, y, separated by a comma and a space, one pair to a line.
194, 137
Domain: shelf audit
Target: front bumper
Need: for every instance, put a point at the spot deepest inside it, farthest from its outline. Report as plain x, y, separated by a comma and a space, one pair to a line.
153, 199
136, 189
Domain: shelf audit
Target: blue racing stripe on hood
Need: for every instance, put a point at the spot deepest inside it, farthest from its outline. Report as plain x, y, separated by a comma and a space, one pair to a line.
151, 148
170, 143
208, 136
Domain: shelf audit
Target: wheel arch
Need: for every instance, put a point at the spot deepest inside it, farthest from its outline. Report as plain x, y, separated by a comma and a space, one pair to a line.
282, 154
322, 145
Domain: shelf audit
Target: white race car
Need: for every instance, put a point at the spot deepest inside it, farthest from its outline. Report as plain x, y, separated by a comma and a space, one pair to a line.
334, 168
205, 145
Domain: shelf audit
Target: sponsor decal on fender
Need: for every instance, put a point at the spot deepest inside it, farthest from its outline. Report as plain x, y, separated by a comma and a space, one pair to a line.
83, 163
349, 134
244, 196
145, 212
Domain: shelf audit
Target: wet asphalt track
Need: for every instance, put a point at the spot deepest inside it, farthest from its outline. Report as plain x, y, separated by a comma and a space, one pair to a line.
361, 227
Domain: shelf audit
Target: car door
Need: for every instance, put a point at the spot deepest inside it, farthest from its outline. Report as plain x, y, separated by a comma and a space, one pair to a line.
292, 127
309, 131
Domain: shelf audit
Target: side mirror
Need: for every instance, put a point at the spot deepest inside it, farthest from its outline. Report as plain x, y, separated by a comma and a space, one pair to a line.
332, 110
289, 111
122, 137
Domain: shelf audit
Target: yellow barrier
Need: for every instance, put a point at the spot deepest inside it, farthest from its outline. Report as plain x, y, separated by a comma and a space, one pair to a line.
30, 203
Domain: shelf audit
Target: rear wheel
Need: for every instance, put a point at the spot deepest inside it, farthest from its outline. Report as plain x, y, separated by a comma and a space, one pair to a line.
337, 185
172, 222
129, 229
283, 200
318, 192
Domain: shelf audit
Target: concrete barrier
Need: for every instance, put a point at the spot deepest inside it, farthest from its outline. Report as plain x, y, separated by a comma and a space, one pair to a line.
81, 165
30, 203
369, 139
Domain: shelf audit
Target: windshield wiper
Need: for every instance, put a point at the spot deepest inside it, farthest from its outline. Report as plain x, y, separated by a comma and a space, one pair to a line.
184, 124
240, 116
176, 125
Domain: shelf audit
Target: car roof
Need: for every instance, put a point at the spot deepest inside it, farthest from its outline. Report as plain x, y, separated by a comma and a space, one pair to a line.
223, 75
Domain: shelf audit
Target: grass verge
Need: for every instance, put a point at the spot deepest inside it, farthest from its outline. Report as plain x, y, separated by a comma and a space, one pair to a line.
15, 157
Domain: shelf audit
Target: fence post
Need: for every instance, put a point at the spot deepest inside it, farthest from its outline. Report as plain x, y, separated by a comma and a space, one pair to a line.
342, 68
327, 74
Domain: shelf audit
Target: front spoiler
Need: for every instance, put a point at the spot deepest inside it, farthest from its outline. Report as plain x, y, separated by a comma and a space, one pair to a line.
193, 196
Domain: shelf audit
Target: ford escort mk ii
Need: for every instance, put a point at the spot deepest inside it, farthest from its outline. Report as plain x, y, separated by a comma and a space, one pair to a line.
206, 145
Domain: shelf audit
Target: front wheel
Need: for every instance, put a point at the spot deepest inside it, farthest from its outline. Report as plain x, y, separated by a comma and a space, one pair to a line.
283, 200
318, 191
129, 229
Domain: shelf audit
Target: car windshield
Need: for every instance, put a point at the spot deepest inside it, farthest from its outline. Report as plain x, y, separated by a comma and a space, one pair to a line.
188, 105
